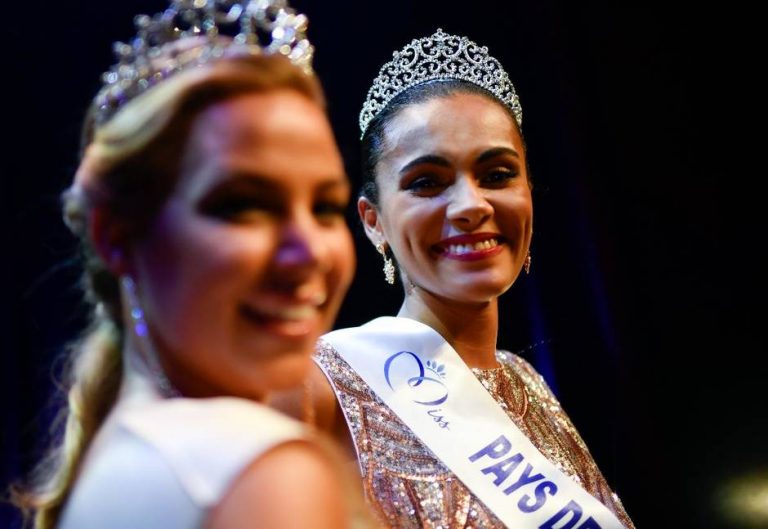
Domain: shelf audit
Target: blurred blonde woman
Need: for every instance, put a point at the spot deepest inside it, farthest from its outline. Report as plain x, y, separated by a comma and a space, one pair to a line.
209, 203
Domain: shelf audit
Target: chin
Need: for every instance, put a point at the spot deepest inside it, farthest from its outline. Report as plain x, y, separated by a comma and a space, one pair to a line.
477, 290
286, 372
478, 297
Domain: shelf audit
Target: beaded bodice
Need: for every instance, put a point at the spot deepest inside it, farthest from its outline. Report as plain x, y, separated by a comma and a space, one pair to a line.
412, 489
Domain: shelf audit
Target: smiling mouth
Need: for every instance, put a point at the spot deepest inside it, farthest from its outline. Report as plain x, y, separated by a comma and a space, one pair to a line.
289, 320
470, 247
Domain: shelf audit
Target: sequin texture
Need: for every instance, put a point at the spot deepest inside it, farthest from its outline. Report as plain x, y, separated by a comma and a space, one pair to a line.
412, 489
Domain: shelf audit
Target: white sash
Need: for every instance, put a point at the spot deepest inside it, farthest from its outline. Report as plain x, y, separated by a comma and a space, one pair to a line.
428, 386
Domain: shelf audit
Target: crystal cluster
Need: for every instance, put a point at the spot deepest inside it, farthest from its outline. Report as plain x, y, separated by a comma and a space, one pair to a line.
193, 32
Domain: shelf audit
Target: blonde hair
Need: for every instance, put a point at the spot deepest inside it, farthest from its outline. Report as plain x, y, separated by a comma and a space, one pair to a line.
128, 169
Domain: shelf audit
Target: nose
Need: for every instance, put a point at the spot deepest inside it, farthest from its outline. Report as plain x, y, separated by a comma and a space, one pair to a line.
468, 207
300, 251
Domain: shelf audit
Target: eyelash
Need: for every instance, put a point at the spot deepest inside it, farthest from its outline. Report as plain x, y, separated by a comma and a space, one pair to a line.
232, 209
423, 183
496, 177
330, 209
492, 177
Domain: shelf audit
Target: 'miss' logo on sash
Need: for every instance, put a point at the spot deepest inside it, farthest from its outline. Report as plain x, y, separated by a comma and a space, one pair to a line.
424, 381
404, 372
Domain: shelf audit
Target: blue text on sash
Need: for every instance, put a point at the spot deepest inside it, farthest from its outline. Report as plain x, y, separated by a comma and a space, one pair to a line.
503, 466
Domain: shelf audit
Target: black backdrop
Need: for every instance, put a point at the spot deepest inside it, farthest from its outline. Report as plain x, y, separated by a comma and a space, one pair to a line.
631, 310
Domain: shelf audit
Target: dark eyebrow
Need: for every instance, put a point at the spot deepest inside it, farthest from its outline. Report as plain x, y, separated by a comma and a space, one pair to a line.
426, 159
497, 151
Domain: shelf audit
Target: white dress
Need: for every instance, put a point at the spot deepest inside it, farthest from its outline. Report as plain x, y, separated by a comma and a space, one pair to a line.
164, 463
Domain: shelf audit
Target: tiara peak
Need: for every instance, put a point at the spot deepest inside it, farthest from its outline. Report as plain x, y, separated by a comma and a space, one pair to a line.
439, 57
213, 29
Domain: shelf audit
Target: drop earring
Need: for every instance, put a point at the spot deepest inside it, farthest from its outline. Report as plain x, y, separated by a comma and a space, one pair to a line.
527, 263
140, 331
389, 266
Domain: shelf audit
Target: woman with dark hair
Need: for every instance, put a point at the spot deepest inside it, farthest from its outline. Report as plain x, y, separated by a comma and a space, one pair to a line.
209, 204
448, 430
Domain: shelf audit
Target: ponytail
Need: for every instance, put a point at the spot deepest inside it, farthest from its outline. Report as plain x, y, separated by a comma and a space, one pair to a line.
93, 380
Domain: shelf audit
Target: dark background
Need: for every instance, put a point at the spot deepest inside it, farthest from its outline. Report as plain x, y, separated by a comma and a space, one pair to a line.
647, 232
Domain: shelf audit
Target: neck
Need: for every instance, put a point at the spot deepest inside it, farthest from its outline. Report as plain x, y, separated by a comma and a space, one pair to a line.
164, 377
470, 328
138, 383
143, 368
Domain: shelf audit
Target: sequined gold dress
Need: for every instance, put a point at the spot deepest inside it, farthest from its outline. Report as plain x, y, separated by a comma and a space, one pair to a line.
411, 488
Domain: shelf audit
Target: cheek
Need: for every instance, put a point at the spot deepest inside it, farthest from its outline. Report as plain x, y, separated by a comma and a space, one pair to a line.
408, 224
515, 211
206, 255
196, 272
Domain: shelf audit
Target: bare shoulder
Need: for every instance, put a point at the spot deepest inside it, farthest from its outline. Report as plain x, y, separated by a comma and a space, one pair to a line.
294, 485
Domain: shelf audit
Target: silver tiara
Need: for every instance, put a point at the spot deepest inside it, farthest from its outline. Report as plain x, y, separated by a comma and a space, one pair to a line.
214, 29
438, 57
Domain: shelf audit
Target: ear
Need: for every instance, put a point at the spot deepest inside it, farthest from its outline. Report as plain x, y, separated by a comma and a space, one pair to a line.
369, 216
110, 241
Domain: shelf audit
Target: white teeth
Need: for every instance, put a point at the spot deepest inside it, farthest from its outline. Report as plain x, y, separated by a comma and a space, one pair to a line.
295, 313
459, 249
298, 313
314, 297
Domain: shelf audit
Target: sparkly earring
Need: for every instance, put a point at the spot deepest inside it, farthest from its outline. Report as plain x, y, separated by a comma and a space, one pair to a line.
389, 266
527, 264
138, 326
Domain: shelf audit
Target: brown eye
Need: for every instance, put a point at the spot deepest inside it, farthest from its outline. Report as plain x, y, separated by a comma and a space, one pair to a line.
330, 210
498, 176
234, 208
424, 184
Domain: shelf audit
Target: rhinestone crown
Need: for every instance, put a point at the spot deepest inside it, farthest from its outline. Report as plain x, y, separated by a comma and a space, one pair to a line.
440, 56
213, 29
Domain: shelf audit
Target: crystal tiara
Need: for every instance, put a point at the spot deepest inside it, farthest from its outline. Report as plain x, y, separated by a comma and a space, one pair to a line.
440, 56
214, 29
